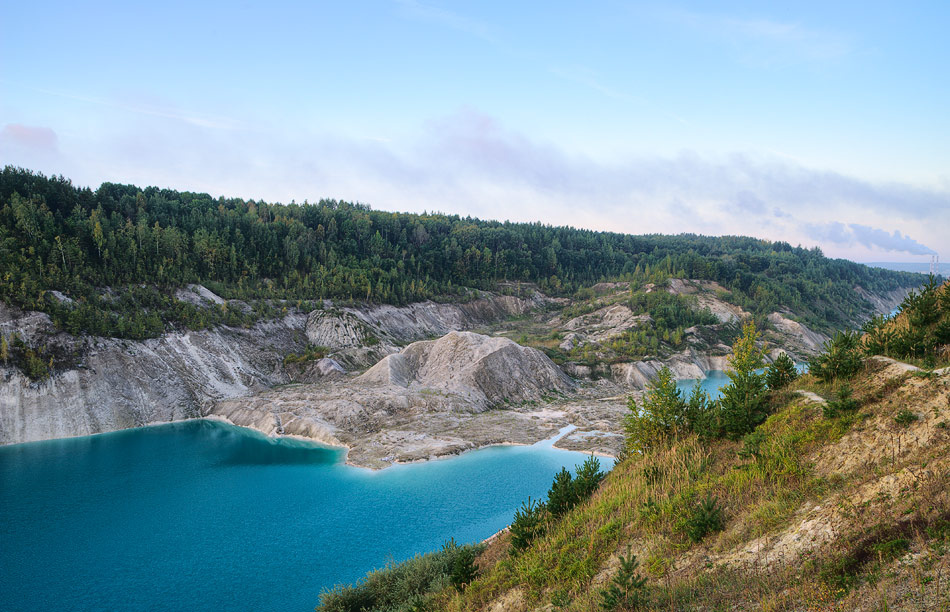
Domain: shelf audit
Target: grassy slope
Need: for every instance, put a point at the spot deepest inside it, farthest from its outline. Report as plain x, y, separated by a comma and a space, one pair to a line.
831, 514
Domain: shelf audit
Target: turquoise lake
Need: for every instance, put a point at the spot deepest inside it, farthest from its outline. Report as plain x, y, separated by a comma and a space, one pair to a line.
205, 516
716, 379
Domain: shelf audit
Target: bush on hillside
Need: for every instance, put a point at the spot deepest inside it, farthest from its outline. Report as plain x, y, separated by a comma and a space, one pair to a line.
780, 373
842, 404
661, 417
744, 401
528, 525
401, 587
704, 519
840, 360
567, 491
921, 330
627, 589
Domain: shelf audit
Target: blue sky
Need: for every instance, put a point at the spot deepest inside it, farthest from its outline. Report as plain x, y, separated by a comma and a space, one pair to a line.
816, 123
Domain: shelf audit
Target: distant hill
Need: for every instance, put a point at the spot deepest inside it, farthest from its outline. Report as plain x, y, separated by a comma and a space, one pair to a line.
108, 262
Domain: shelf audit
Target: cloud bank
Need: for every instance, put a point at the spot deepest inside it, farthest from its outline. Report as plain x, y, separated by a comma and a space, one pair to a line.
470, 163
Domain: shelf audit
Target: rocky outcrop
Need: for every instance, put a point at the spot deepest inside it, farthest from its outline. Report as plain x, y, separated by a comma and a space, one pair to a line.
428, 319
603, 325
685, 366
120, 383
795, 337
198, 295
359, 337
885, 302
432, 398
115, 384
487, 371
709, 295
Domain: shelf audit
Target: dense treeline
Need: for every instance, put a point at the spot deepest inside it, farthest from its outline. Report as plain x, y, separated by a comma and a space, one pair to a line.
55, 236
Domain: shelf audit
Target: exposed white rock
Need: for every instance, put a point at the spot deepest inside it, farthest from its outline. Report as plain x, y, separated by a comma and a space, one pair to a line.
359, 337
685, 366
805, 339
486, 370
199, 296
606, 323
121, 383
571, 341
336, 329
435, 388
429, 319
61, 297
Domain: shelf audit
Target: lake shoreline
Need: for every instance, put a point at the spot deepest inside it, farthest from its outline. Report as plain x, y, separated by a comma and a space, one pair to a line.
217, 418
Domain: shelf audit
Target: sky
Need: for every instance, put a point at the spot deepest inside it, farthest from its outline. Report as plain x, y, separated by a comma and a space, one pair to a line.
817, 123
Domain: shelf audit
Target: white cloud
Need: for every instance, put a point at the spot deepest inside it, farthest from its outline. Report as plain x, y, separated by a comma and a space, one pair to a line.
471, 164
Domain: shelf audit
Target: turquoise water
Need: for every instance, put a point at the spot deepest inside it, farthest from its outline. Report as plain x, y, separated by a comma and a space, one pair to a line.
205, 516
715, 379
711, 384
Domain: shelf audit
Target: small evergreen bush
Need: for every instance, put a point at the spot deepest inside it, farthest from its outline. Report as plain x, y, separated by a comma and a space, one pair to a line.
841, 358
588, 478
404, 587
562, 495
464, 569
528, 524
627, 590
842, 404
705, 518
780, 373
661, 417
905, 417
744, 401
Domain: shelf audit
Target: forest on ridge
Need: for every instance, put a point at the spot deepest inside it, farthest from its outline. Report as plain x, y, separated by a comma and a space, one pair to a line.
116, 254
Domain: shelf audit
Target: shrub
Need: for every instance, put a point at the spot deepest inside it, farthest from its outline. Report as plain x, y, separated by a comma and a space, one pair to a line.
528, 524
405, 586
661, 417
464, 569
905, 417
780, 373
878, 336
588, 477
567, 491
313, 353
705, 518
752, 445
744, 401
841, 358
626, 590
562, 495
702, 414
843, 403
891, 549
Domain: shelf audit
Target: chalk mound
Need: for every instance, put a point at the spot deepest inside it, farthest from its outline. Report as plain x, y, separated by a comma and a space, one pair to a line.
487, 371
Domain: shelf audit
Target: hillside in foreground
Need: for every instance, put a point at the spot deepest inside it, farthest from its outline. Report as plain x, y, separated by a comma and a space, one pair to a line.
838, 500
849, 512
